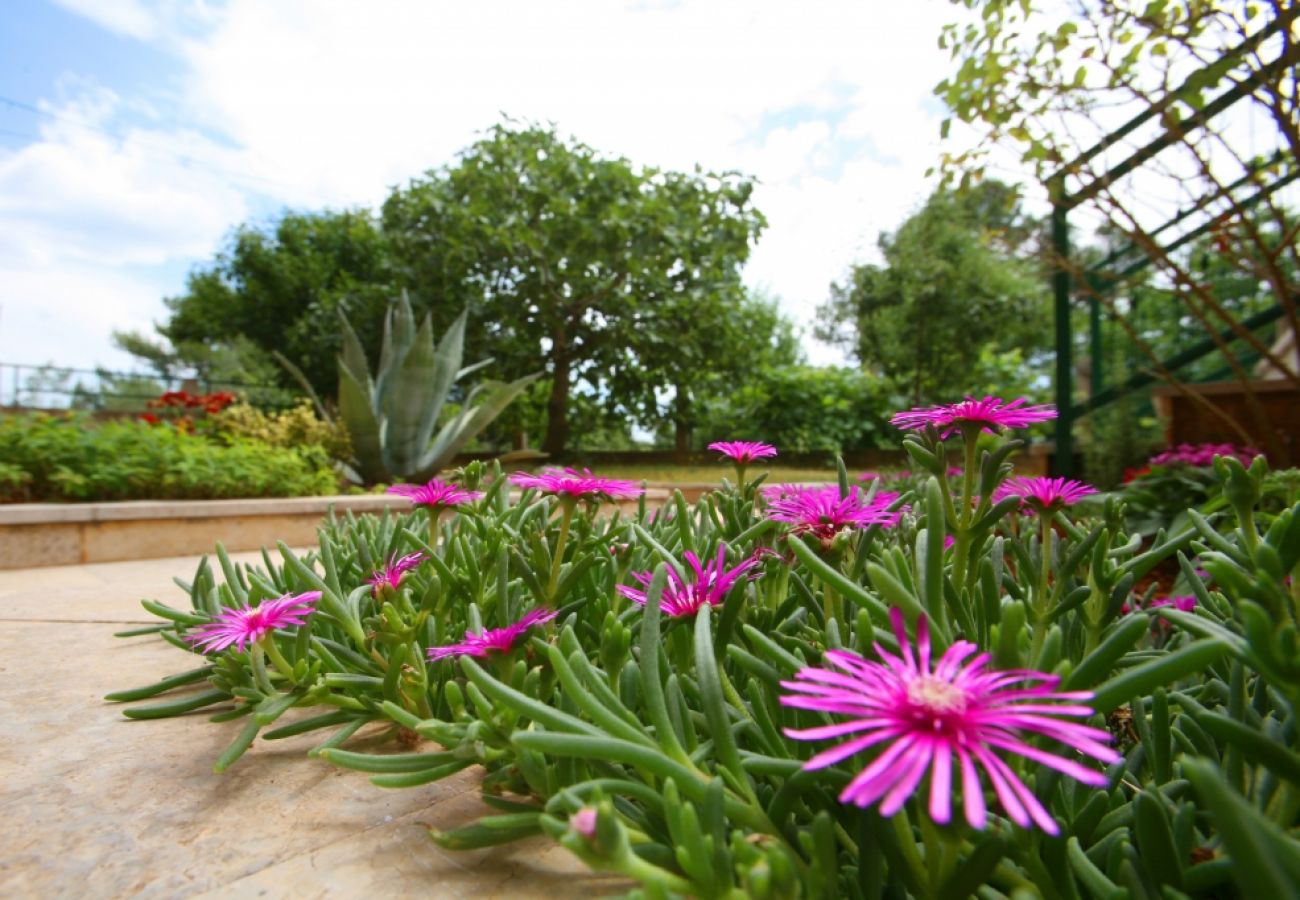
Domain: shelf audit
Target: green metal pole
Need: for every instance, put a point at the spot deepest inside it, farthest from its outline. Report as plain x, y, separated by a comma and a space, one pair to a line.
1063, 459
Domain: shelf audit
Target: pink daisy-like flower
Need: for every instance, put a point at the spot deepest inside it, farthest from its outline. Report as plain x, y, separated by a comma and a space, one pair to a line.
390, 575
930, 716
578, 485
1043, 494
439, 494
743, 452
824, 512
990, 413
246, 625
710, 584
493, 640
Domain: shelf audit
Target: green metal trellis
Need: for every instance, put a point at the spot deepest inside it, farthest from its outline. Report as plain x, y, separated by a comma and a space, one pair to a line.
1063, 201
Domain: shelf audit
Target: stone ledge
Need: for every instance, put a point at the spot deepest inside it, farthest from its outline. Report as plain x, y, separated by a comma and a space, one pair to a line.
54, 534
46, 513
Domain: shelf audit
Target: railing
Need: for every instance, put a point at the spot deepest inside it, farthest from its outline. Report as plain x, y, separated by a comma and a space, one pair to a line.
50, 387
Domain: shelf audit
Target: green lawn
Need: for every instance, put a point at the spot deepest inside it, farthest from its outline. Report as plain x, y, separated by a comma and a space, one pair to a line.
684, 474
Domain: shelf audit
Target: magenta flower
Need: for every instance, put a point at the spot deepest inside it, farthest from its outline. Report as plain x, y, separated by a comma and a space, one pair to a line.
824, 512
1043, 494
493, 640
742, 453
390, 575
927, 716
578, 485
1202, 455
436, 494
990, 413
710, 584
248, 624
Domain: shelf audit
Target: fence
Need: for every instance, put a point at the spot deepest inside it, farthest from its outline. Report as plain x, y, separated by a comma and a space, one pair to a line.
51, 387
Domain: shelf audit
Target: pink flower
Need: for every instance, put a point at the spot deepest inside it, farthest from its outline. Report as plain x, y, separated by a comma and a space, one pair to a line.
991, 412
1043, 494
436, 494
493, 640
584, 822
390, 575
925, 716
824, 512
1202, 455
579, 485
248, 624
742, 453
709, 585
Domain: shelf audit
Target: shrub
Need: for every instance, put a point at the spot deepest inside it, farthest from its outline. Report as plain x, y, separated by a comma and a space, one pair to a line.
292, 428
71, 458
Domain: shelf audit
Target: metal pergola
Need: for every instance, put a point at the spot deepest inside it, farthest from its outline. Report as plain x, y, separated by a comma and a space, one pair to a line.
1099, 279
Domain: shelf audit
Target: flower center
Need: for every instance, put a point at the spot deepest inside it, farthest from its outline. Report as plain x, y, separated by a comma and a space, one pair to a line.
936, 696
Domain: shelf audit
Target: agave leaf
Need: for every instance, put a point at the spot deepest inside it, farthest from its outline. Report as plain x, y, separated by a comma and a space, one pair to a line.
353, 358
299, 377
470, 421
447, 358
473, 367
399, 332
409, 395
359, 417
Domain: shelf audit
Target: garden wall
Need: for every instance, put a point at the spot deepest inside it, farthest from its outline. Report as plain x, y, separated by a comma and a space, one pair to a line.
56, 534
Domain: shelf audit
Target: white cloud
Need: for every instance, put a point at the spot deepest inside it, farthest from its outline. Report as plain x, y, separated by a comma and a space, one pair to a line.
82, 195
330, 102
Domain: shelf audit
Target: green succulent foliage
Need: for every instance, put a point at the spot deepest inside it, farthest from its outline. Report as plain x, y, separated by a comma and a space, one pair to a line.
392, 415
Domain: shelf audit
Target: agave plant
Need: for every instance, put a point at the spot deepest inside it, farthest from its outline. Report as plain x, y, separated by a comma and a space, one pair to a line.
392, 416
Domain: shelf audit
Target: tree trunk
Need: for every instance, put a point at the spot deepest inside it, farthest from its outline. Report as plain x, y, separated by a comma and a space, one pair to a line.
682, 425
557, 405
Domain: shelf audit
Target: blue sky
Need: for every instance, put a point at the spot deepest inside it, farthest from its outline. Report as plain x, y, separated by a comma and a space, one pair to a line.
161, 125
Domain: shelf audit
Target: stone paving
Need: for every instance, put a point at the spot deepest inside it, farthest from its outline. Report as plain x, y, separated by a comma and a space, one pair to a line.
95, 805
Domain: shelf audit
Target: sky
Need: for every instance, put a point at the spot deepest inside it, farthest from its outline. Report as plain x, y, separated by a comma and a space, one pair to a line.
135, 135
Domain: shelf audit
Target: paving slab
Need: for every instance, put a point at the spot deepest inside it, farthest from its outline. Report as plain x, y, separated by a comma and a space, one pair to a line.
95, 805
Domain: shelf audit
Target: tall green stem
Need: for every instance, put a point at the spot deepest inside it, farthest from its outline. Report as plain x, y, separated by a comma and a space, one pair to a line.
567, 507
961, 548
1042, 602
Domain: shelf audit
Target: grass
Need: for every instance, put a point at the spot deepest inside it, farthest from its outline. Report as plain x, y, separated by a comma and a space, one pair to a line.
715, 474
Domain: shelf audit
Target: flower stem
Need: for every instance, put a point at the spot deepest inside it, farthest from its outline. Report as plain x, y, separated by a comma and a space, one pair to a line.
1042, 601
277, 658
567, 507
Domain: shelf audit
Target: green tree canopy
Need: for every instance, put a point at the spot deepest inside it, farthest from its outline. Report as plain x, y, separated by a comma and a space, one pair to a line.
574, 263
959, 280
281, 288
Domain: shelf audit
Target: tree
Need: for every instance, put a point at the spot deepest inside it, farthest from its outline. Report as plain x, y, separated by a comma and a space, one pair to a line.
712, 345
570, 261
958, 281
1208, 96
801, 409
281, 288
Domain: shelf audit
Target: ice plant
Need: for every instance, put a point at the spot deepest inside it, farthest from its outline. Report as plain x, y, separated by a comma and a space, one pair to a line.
986, 414
570, 486
928, 716
824, 512
493, 640
708, 584
390, 576
436, 494
743, 452
246, 625
1044, 494
570, 483
1202, 455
